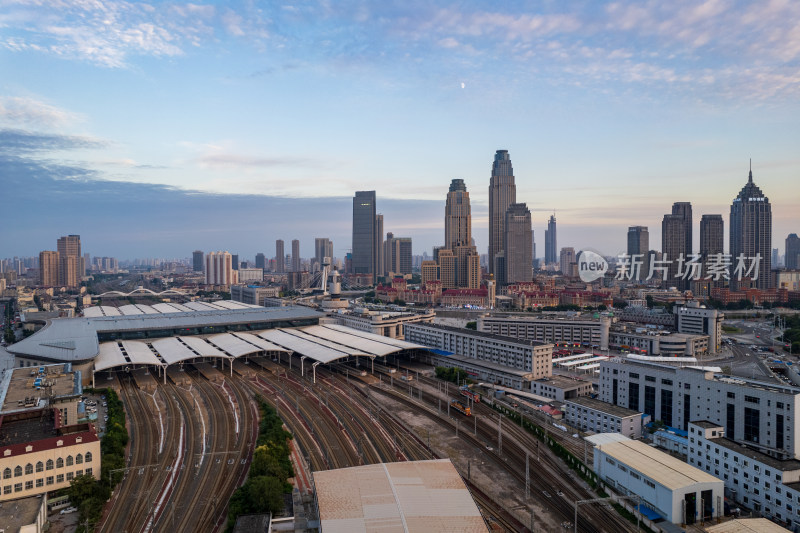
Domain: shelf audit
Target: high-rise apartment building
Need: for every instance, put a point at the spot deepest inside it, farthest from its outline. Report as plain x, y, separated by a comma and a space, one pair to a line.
684, 210
751, 233
235, 261
261, 261
70, 260
397, 254
197, 260
550, 242
296, 265
518, 244
48, 268
323, 247
280, 256
567, 260
219, 269
502, 193
639, 245
792, 259
365, 256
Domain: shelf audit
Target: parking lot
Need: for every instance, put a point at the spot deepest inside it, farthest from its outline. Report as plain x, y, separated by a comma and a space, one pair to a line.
96, 410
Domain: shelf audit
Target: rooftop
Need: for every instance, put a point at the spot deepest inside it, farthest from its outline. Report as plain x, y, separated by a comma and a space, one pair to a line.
747, 525
15, 514
76, 339
604, 407
662, 468
411, 496
562, 382
481, 334
18, 389
27, 430
525, 375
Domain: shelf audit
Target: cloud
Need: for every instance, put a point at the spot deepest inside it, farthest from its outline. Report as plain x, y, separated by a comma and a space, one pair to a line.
229, 161
28, 111
17, 141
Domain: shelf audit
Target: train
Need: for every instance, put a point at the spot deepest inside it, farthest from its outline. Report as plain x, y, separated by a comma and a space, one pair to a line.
474, 396
458, 406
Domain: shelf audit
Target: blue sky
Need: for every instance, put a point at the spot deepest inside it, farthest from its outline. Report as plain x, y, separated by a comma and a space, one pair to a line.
154, 128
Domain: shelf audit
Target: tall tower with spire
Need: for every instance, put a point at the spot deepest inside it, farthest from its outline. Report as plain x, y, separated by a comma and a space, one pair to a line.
751, 232
502, 193
458, 239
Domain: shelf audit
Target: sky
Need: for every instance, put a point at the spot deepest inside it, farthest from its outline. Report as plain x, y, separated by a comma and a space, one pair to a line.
156, 128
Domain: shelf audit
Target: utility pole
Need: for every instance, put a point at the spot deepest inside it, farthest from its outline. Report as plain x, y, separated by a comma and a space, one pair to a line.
527, 476
500, 434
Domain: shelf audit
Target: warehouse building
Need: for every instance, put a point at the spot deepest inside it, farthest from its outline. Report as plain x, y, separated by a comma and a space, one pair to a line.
680, 493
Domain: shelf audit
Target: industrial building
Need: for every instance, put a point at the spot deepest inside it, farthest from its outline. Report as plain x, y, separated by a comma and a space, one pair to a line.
593, 415
253, 294
385, 323
678, 492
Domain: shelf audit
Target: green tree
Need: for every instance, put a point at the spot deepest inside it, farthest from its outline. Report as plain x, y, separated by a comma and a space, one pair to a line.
472, 325
649, 300
265, 494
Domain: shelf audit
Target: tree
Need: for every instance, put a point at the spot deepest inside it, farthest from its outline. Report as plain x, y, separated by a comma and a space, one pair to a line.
472, 325
265, 494
649, 300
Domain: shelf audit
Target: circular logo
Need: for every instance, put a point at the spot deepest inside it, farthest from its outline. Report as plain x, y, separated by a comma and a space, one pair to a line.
591, 266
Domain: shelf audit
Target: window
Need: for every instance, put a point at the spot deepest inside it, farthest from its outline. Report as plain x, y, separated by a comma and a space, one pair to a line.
88, 471
28, 469
60, 478
752, 399
731, 395
7, 489
69, 460
70, 475
88, 457
7, 473
79, 459
17, 471
651, 379
40, 466
29, 485
49, 480
60, 462
39, 483
78, 473
17, 487
49, 464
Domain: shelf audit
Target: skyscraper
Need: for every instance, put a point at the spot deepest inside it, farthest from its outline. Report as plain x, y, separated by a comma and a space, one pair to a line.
48, 268
792, 252
502, 193
296, 265
550, 242
566, 260
280, 256
676, 242
235, 261
639, 244
70, 259
457, 216
751, 232
261, 261
673, 245
518, 244
323, 247
197, 260
365, 258
380, 260
712, 237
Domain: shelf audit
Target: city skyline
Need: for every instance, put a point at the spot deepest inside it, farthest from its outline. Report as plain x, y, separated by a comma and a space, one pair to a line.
608, 110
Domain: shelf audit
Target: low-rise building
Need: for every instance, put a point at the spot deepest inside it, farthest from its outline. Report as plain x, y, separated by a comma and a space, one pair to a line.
653, 343
697, 320
38, 454
555, 329
386, 323
679, 492
561, 388
590, 414
529, 356
253, 294
768, 486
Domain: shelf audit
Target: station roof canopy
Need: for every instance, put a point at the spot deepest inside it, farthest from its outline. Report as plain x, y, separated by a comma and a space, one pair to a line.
265, 345
176, 349
328, 343
78, 339
236, 346
135, 353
